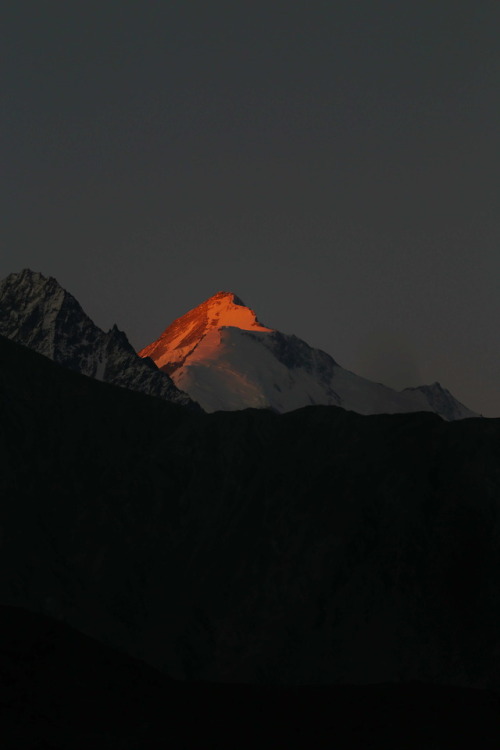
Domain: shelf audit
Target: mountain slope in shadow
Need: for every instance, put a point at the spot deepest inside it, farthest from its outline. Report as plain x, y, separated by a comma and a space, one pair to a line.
315, 547
60, 689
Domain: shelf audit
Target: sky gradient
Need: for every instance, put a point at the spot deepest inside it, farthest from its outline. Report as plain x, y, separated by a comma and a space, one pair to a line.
334, 164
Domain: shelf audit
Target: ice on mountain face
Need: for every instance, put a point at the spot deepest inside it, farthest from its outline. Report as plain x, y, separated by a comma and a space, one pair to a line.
233, 369
226, 359
37, 312
242, 371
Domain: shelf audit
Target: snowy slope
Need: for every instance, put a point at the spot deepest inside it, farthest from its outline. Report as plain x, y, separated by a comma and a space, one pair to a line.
37, 312
225, 359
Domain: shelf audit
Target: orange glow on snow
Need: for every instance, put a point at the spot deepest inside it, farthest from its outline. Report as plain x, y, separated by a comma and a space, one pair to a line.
188, 332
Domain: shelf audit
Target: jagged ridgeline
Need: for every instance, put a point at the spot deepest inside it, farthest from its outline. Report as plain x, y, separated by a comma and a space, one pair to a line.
37, 312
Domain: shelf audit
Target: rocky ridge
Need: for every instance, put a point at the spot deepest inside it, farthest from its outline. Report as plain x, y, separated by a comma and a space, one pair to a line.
37, 312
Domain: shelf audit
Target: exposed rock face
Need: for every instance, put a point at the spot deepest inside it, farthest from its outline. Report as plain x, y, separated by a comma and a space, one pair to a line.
226, 359
37, 312
319, 546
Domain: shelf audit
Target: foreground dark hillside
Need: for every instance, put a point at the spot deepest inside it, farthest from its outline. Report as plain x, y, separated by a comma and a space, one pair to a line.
318, 546
62, 690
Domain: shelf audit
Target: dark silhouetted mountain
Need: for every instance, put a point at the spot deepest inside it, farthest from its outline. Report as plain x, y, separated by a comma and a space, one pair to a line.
318, 546
37, 312
60, 689
226, 359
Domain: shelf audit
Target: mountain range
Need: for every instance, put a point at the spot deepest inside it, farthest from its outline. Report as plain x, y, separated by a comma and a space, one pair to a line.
225, 358
332, 574
218, 356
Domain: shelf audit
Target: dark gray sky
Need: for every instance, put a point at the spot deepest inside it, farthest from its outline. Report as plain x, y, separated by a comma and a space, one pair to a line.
335, 164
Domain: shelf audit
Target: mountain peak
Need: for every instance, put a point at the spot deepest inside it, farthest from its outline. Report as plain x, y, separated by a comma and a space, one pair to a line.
223, 309
226, 309
226, 296
28, 279
442, 401
225, 358
36, 311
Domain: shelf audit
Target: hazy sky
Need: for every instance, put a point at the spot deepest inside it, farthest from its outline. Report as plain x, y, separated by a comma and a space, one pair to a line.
335, 164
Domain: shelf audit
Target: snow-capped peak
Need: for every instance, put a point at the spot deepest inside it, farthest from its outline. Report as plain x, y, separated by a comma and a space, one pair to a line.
226, 309
183, 335
224, 358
